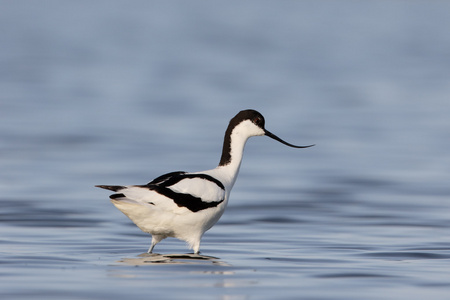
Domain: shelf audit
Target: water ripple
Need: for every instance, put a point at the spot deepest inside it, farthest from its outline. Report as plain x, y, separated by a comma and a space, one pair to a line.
407, 255
27, 213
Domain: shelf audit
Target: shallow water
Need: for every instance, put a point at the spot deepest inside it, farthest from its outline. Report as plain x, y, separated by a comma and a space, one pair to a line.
119, 93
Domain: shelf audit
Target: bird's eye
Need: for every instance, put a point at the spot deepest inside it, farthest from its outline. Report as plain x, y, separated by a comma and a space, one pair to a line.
257, 120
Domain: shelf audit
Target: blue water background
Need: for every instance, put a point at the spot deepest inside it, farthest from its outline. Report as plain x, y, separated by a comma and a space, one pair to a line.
119, 92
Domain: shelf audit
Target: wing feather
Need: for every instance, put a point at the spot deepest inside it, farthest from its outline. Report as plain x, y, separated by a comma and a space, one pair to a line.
174, 191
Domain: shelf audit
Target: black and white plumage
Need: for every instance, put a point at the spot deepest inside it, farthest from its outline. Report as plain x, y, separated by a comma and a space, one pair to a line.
185, 205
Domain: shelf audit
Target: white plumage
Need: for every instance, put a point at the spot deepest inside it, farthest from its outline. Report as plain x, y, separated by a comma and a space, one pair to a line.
185, 205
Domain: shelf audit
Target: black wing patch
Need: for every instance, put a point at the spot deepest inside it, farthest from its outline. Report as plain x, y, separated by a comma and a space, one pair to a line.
192, 203
162, 183
164, 178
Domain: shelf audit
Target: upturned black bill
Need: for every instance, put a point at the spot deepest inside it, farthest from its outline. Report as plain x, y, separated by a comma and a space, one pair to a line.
269, 134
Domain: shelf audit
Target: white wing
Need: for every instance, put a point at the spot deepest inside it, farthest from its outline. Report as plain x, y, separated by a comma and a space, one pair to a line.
200, 187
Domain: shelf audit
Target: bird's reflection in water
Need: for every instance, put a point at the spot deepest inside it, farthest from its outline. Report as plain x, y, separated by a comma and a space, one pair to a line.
188, 258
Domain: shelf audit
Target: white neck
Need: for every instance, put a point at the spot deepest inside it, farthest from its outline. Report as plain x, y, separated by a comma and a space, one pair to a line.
235, 138
230, 170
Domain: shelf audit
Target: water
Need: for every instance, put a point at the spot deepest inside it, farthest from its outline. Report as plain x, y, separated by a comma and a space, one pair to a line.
114, 92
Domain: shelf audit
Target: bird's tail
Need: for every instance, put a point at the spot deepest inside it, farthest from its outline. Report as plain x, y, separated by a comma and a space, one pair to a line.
114, 188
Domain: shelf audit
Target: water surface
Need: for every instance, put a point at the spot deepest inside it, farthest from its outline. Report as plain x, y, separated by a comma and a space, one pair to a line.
118, 93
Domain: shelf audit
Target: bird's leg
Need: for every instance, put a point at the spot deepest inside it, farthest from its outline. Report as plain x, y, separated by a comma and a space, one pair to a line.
155, 240
196, 247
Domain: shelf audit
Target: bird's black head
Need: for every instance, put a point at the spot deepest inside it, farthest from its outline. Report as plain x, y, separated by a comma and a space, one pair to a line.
248, 114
